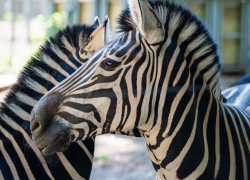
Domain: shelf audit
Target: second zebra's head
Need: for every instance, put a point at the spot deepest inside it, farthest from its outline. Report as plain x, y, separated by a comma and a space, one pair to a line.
124, 85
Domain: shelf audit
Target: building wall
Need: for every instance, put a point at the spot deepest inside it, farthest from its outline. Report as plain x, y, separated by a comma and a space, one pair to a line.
228, 21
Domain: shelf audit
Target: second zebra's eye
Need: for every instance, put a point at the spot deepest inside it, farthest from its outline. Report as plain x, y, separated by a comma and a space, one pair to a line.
109, 64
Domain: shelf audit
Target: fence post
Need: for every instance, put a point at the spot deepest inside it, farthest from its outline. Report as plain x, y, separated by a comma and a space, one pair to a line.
245, 38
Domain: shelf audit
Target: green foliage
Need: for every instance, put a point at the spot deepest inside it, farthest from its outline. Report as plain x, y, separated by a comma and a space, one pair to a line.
51, 25
104, 158
42, 28
55, 22
8, 16
40, 33
20, 16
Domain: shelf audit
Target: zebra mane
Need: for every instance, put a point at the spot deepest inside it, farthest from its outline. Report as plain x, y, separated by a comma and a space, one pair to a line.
52, 63
191, 36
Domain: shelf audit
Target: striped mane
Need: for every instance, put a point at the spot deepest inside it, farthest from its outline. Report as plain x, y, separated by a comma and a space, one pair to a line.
51, 60
192, 37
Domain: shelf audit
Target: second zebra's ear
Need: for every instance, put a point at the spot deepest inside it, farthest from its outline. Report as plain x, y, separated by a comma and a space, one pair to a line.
148, 23
96, 40
96, 22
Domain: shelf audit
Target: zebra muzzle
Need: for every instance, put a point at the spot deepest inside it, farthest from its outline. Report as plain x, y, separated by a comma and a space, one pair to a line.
60, 144
56, 138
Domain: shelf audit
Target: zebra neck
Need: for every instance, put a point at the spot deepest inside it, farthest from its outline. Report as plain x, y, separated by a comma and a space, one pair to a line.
196, 129
181, 126
175, 83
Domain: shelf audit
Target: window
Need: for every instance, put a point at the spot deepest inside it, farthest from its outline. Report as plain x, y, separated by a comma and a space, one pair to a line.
231, 28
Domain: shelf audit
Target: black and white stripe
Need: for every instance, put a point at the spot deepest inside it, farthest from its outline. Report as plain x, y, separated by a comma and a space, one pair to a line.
19, 157
162, 77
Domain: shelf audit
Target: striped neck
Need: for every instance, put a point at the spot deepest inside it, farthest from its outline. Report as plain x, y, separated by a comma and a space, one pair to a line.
199, 137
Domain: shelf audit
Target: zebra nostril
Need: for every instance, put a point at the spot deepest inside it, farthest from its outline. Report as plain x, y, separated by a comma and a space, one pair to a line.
35, 126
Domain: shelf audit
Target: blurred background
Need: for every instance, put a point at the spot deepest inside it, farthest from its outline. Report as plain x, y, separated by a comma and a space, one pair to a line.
25, 24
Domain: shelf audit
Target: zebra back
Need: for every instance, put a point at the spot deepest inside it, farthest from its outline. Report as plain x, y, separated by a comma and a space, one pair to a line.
245, 79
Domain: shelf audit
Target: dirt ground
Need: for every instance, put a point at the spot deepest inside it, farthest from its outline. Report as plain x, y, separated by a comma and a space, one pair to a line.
126, 158
121, 157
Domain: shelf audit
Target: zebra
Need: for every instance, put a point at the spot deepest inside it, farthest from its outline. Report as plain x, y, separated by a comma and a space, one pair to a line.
59, 57
163, 77
239, 94
245, 79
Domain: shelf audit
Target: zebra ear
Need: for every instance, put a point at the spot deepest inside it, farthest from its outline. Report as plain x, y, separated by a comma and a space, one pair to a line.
146, 20
96, 40
108, 33
96, 22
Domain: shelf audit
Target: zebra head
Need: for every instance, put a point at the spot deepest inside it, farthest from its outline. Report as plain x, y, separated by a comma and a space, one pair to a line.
125, 84
100, 35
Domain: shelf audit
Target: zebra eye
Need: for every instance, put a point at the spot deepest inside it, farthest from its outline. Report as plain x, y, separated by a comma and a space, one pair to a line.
109, 64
